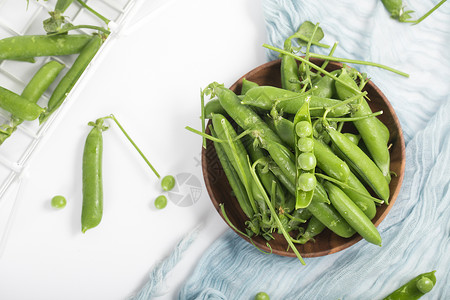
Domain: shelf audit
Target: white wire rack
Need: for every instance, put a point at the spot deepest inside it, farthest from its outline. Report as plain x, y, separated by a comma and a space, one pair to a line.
19, 18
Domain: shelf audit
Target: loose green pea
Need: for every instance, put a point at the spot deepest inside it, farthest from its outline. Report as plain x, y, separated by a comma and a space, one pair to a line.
160, 202
262, 296
307, 161
305, 144
303, 129
59, 202
424, 285
307, 182
168, 182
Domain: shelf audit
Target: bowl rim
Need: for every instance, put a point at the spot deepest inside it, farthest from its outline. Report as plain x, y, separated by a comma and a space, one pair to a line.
356, 237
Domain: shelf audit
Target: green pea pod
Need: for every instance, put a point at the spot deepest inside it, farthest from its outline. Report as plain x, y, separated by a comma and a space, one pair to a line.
31, 46
247, 85
364, 203
40, 82
352, 214
71, 77
233, 179
361, 163
347, 90
375, 136
284, 180
355, 138
237, 155
397, 10
321, 194
284, 159
328, 215
299, 216
325, 87
285, 130
329, 162
267, 97
289, 74
373, 132
243, 115
305, 161
213, 107
266, 177
412, 290
314, 228
33, 91
92, 210
62, 5
19, 106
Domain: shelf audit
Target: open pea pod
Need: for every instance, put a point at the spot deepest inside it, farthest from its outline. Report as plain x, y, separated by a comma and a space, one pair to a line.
305, 161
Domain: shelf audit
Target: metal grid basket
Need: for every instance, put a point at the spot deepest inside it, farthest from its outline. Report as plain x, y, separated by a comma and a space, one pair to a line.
19, 18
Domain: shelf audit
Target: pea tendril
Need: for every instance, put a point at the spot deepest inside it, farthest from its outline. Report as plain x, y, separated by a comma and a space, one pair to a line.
82, 3
112, 117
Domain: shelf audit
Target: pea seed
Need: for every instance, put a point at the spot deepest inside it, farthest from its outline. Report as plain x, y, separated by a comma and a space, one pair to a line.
262, 296
305, 144
59, 202
307, 182
160, 202
424, 285
168, 182
307, 161
303, 129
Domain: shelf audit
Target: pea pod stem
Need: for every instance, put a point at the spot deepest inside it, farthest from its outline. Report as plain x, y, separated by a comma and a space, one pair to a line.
325, 63
82, 3
112, 117
202, 116
359, 62
214, 139
308, 46
206, 136
427, 14
351, 119
75, 27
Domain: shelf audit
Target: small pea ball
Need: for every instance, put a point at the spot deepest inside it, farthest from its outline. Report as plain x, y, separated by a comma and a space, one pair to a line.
424, 285
168, 182
303, 129
160, 202
262, 296
307, 161
305, 144
307, 182
59, 202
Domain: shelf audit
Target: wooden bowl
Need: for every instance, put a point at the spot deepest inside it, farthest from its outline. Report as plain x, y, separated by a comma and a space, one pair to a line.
327, 242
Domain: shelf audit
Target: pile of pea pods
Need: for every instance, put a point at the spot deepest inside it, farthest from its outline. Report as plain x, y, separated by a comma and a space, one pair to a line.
291, 164
57, 42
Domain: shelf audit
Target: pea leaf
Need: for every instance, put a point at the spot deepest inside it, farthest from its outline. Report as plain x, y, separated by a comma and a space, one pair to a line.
305, 32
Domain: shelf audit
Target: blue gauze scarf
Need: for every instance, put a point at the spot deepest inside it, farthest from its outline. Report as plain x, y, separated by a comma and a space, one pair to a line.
416, 232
